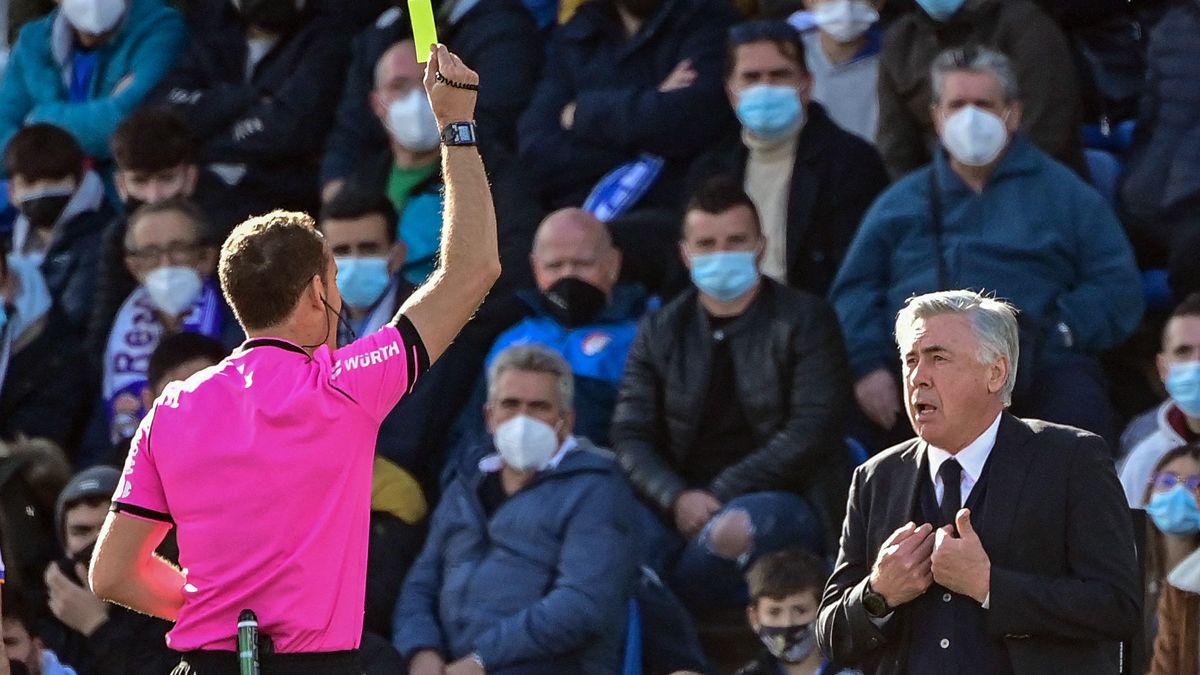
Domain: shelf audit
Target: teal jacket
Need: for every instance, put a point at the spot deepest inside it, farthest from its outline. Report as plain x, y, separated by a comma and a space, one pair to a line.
1038, 236
149, 39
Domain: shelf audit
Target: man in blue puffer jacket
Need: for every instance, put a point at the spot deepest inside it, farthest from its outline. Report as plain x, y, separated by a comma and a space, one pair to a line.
530, 563
87, 65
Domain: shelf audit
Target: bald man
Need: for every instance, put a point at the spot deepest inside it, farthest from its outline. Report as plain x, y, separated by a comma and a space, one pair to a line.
580, 311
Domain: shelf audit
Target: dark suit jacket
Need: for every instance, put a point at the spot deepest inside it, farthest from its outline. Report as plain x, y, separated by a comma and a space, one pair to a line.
1064, 579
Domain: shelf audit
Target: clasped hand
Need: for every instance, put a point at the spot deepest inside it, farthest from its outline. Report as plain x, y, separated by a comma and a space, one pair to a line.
914, 557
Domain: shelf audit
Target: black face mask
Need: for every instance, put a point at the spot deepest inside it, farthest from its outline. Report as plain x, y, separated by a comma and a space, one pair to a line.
642, 9
574, 302
43, 212
789, 644
133, 204
277, 16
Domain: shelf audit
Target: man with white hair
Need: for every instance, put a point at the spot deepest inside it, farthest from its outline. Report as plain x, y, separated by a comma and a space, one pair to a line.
988, 544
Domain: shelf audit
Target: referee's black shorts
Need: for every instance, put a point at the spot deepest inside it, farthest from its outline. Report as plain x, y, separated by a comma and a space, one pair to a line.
226, 663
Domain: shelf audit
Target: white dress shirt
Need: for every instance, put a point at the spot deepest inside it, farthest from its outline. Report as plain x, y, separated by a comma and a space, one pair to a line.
971, 459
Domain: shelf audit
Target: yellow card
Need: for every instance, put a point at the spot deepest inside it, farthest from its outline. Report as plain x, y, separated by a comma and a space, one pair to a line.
420, 12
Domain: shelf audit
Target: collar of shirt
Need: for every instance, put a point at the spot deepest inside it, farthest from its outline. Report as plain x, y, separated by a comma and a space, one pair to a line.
492, 463
971, 459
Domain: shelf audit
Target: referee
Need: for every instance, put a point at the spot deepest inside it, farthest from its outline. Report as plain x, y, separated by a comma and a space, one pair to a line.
262, 463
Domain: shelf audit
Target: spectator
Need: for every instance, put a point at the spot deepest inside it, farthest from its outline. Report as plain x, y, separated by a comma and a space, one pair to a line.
33, 471
529, 564
720, 422
21, 639
1051, 101
94, 637
359, 226
843, 57
1171, 503
497, 38
580, 312
625, 79
411, 173
176, 358
155, 160
398, 524
86, 66
167, 252
1177, 420
43, 391
995, 213
785, 591
259, 88
1161, 188
810, 181
63, 212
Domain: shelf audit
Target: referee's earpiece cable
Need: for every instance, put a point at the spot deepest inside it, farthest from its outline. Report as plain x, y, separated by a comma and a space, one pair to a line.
341, 321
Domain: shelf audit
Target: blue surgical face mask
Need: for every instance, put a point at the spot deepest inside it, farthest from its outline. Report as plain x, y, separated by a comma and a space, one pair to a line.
770, 110
362, 281
1174, 511
940, 10
727, 275
1183, 384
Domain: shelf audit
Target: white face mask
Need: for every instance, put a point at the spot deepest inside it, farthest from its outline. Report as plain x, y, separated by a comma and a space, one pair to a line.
174, 290
973, 136
93, 16
845, 20
526, 443
411, 122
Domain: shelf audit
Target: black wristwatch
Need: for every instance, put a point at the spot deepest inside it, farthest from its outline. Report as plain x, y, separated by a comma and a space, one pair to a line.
874, 603
458, 133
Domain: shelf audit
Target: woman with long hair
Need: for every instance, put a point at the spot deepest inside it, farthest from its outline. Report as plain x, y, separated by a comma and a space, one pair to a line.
1171, 503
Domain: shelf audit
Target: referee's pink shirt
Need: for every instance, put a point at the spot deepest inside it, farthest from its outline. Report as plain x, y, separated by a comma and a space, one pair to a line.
263, 465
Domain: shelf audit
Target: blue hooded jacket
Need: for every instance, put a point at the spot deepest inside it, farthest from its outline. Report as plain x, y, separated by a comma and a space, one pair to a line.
546, 579
130, 64
1037, 235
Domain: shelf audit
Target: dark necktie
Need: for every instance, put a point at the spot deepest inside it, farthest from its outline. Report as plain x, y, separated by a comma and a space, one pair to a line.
951, 474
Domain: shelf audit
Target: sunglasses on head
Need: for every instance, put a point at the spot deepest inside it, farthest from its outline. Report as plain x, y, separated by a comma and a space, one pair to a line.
757, 31
1165, 480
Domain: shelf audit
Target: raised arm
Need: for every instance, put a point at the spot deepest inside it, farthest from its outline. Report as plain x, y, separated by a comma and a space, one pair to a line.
470, 259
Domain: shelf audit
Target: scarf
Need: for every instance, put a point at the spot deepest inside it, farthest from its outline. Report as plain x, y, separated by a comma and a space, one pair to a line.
135, 334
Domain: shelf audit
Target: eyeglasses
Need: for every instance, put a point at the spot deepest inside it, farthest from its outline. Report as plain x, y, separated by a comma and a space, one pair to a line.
176, 253
1165, 480
758, 31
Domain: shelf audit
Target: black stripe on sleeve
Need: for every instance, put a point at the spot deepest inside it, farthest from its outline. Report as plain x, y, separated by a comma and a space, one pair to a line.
142, 512
412, 343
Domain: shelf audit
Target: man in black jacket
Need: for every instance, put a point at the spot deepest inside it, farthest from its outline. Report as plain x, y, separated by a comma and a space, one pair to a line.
96, 638
258, 88
624, 78
1036, 574
729, 415
810, 180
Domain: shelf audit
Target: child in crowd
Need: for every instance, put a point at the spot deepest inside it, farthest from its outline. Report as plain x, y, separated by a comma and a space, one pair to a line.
785, 592
1171, 503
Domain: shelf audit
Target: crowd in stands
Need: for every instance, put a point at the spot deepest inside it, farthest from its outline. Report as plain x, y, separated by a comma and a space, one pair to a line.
709, 213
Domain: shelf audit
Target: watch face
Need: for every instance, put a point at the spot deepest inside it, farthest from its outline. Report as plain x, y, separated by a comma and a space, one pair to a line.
874, 604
